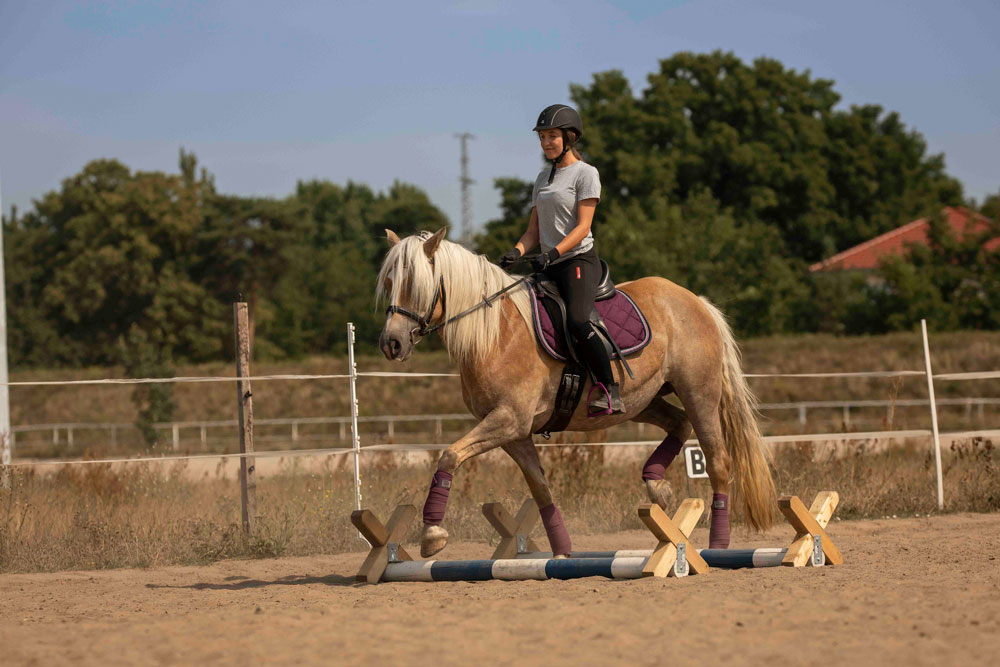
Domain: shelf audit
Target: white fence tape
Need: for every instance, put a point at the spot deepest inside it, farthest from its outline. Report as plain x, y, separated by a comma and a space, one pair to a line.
973, 375
417, 447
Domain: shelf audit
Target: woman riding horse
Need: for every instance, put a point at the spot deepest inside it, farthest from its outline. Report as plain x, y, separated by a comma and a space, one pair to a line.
484, 318
563, 202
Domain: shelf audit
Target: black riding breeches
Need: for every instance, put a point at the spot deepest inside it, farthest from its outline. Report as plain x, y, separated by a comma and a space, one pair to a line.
577, 279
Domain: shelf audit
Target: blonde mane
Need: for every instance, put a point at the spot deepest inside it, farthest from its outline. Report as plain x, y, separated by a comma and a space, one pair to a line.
467, 279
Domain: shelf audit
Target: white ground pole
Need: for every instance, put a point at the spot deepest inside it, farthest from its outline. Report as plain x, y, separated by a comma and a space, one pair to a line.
6, 437
355, 437
934, 424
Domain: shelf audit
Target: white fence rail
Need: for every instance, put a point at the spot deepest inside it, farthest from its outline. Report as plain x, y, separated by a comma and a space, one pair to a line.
199, 431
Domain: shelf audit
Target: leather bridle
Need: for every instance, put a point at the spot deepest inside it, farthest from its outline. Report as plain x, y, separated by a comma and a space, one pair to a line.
424, 327
423, 323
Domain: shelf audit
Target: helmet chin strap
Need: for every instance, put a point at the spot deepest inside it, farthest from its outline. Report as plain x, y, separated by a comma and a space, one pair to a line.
567, 146
555, 162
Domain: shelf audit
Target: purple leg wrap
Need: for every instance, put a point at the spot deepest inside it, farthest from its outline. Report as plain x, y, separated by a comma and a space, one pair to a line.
661, 458
437, 498
718, 534
556, 530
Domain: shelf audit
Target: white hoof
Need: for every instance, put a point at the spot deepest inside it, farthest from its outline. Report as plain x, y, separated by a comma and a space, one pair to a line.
560, 557
432, 540
659, 492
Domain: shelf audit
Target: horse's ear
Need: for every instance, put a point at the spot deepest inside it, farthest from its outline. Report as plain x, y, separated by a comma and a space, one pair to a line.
391, 237
431, 244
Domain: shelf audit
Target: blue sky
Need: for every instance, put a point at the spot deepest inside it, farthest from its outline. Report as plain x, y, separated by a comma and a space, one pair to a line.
268, 95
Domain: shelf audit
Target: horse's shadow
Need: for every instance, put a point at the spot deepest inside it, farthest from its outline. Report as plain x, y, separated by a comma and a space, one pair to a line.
242, 583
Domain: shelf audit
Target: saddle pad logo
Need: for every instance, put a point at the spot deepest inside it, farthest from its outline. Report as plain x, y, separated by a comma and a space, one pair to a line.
578, 273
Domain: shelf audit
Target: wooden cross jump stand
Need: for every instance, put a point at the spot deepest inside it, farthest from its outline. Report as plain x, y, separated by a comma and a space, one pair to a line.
515, 534
384, 539
673, 533
807, 523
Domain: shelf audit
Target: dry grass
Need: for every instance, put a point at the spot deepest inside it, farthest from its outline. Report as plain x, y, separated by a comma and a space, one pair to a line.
92, 517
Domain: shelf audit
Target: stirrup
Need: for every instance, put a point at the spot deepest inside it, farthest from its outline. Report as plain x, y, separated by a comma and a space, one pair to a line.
607, 394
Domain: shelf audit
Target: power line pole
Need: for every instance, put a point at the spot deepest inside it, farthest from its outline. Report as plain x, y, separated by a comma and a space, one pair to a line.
465, 238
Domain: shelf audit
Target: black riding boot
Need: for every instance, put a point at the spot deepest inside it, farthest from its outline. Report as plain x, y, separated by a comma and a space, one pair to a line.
599, 402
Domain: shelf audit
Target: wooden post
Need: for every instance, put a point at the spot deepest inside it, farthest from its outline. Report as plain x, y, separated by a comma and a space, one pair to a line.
244, 402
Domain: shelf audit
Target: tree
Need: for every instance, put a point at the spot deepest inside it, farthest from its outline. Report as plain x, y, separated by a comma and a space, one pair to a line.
767, 143
501, 234
730, 178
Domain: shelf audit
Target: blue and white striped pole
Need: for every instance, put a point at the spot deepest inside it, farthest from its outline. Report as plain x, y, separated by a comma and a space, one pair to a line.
515, 569
539, 566
721, 558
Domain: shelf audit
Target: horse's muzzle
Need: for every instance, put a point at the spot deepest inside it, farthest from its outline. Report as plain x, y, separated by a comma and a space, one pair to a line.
390, 346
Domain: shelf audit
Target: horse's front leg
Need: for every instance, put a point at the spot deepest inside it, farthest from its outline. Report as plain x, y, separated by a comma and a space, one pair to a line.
525, 454
498, 428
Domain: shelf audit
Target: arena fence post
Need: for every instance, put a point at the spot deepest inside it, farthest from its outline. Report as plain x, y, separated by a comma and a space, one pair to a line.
934, 421
244, 403
355, 437
6, 435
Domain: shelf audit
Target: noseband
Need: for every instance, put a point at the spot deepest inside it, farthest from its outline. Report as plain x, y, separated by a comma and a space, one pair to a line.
423, 323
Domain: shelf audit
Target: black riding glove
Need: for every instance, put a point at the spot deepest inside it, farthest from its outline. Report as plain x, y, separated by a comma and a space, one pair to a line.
509, 258
543, 261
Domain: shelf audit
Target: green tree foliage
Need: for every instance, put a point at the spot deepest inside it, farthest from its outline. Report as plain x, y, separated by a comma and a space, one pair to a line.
140, 269
111, 252
991, 207
731, 178
501, 234
768, 144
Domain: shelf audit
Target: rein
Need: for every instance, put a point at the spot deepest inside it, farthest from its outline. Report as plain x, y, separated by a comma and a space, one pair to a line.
424, 328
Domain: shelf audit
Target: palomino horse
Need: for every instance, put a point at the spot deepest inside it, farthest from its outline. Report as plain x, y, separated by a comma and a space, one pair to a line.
510, 384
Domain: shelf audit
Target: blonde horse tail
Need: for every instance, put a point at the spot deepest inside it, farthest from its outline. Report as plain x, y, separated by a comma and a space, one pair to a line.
755, 497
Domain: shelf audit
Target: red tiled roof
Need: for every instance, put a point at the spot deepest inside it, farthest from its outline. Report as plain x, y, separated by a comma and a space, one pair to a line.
867, 255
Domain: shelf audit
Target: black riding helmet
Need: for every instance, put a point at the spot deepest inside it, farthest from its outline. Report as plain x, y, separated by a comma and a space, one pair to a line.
562, 117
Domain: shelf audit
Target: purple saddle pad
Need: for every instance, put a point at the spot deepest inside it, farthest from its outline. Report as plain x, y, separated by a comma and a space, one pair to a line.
623, 319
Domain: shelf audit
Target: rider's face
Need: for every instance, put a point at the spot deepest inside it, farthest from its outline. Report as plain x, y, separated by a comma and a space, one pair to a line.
552, 142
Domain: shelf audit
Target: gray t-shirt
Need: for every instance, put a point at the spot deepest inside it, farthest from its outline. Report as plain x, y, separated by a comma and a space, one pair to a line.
557, 204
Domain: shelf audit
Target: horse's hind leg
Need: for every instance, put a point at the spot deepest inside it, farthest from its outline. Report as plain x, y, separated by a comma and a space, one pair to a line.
674, 421
701, 403
525, 455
